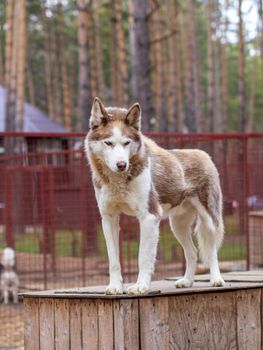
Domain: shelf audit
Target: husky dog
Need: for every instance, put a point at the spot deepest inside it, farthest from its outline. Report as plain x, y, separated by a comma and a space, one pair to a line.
133, 175
9, 279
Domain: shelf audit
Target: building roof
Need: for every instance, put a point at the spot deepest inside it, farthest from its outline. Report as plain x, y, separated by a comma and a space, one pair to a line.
35, 120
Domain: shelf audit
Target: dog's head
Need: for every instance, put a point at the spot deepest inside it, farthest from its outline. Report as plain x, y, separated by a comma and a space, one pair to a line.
114, 134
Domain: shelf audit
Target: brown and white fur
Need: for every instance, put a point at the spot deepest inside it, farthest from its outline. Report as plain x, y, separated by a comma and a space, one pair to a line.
133, 175
9, 281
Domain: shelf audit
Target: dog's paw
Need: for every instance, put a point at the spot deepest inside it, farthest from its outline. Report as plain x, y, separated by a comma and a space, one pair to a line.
113, 289
183, 283
138, 288
217, 282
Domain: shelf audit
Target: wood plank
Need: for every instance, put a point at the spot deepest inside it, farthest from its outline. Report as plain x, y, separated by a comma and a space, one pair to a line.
61, 324
105, 322
126, 324
249, 319
75, 324
47, 324
203, 321
90, 331
154, 326
31, 323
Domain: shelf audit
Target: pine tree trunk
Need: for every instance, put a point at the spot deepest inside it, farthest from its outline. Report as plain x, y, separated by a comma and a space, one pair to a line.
175, 101
21, 64
260, 15
224, 72
57, 96
64, 74
9, 38
119, 69
141, 64
98, 51
210, 68
84, 93
132, 47
241, 71
48, 76
159, 79
11, 69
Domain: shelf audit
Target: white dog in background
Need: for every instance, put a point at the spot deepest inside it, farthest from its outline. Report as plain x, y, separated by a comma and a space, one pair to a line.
9, 280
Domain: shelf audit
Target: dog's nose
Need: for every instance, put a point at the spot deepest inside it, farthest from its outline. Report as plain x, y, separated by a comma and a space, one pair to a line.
121, 166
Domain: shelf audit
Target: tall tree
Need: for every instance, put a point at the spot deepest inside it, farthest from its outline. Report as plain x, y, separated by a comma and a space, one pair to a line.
84, 90
21, 63
175, 98
141, 63
64, 73
241, 70
119, 68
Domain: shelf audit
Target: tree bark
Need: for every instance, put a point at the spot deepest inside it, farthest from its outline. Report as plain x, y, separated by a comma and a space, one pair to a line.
84, 93
21, 64
141, 65
64, 74
241, 70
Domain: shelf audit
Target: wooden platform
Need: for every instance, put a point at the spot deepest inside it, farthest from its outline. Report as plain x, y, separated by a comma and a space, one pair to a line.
200, 317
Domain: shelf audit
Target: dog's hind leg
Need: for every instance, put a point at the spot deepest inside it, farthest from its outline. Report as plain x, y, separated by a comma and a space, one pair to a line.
181, 226
110, 225
210, 236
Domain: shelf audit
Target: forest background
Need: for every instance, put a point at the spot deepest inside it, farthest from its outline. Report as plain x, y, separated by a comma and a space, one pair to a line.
194, 65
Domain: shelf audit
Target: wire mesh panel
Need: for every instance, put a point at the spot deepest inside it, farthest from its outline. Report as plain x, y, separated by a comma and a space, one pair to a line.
48, 213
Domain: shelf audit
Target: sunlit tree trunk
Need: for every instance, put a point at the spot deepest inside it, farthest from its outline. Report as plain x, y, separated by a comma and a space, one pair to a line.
57, 95
119, 69
158, 62
64, 74
11, 68
21, 63
141, 64
224, 72
241, 70
84, 91
260, 15
175, 100
48, 64
210, 67
132, 47
9, 38
98, 50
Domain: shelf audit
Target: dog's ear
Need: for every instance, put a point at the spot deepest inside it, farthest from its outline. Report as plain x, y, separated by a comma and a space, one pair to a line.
99, 114
133, 116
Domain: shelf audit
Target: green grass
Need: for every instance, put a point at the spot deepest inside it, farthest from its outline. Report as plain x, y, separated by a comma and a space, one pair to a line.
169, 248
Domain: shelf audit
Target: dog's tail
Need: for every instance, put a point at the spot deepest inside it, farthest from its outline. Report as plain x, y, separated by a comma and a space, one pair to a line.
8, 257
210, 225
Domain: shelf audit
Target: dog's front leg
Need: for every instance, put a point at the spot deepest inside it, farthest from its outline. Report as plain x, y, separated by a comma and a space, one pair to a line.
110, 225
149, 235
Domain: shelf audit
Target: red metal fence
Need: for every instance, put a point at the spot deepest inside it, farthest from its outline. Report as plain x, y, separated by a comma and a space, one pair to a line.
49, 215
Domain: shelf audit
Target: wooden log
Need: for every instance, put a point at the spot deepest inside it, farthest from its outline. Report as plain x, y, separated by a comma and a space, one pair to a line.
31, 324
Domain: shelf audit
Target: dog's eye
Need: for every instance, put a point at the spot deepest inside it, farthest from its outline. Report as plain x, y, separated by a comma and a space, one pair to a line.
108, 143
127, 143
